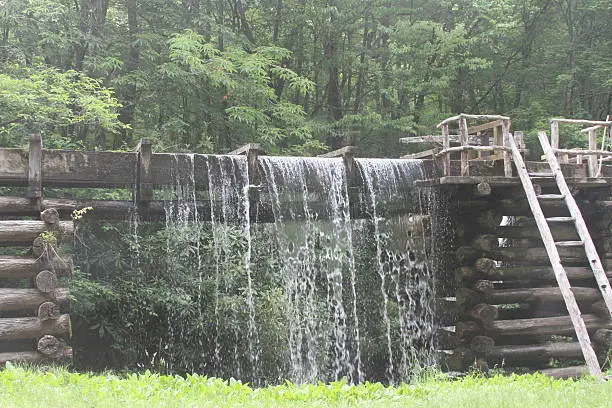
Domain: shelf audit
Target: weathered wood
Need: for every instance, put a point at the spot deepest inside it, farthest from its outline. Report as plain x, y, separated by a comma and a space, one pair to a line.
460, 359
583, 232
478, 117
506, 142
35, 167
23, 232
39, 247
566, 372
489, 219
482, 344
50, 216
446, 159
603, 337
469, 329
570, 255
46, 281
486, 242
530, 355
583, 152
27, 267
34, 356
48, 311
599, 308
33, 327
554, 134
484, 313
30, 299
560, 325
483, 286
144, 189
581, 122
482, 189
467, 254
531, 295
49, 345
489, 268
351, 150
593, 158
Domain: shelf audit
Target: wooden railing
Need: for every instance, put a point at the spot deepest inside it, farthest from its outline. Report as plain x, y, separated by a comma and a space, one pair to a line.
595, 156
501, 133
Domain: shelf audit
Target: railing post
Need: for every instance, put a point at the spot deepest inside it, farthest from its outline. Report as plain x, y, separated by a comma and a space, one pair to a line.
144, 186
506, 143
35, 167
465, 155
445, 145
592, 158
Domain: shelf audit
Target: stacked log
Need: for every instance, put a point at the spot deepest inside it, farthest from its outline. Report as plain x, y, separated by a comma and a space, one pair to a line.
35, 314
511, 311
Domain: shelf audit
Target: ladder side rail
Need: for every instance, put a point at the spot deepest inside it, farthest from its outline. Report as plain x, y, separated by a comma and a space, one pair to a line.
583, 232
564, 285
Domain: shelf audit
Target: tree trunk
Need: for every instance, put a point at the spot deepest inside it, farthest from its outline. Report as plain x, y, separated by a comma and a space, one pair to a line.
530, 355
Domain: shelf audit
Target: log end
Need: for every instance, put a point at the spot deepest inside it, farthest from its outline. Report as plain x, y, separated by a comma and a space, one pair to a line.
46, 281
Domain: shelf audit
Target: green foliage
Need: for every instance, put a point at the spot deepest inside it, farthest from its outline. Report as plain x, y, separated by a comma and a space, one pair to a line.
63, 105
23, 388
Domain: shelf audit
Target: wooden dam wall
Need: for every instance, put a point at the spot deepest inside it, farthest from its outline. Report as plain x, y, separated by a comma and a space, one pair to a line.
503, 309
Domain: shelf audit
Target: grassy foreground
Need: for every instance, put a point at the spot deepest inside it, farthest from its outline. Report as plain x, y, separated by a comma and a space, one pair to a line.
21, 387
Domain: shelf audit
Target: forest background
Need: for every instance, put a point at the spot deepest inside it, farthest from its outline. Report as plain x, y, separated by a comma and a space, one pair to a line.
297, 76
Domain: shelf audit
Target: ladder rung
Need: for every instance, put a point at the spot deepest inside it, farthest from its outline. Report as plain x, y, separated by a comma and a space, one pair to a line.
560, 219
541, 175
551, 197
569, 243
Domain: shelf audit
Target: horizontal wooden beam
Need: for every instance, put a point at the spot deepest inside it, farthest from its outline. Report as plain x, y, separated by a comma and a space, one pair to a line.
477, 117
30, 299
33, 327
581, 122
16, 267
343, 151
34, 356
23, 232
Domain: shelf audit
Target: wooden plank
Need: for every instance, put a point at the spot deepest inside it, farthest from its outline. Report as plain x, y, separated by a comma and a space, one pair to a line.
35, 167
438, 139
583, 152
483, 127
343, 151
549, 243
554, 134
421, 155
243, 150
583, 231
13, 167
89, 169
466, 116
581, 122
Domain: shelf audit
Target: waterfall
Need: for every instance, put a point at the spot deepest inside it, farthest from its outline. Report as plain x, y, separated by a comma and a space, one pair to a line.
406, 282
309, 201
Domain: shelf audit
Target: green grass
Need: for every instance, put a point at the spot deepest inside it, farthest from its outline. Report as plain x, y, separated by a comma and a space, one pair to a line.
20, 387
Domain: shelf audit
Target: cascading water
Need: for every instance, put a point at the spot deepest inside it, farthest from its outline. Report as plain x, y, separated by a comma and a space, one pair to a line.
228, 187
309, 289
407, 284
309, 200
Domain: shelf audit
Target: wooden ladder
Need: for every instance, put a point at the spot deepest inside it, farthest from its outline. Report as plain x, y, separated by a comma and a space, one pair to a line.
551, 246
